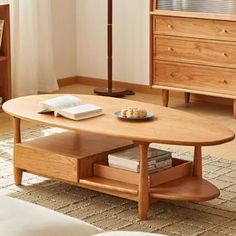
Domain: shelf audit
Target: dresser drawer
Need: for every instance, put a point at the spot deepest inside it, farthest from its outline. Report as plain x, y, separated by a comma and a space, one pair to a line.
195, 28
213, 53
203, 78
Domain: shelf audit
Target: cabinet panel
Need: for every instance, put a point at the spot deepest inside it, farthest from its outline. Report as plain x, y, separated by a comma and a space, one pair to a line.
195, 28
193, 51
203, 78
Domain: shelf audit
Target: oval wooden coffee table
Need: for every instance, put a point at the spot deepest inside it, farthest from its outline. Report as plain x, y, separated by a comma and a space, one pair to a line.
79, 155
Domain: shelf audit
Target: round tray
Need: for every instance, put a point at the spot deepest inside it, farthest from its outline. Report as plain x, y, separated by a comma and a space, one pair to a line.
149, 116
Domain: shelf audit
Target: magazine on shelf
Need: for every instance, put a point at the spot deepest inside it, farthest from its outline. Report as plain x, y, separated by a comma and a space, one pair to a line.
132, 155
69, 107
1, 32
129, 159
151, 168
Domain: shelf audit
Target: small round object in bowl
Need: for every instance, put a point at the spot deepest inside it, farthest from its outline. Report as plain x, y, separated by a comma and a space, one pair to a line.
133, 113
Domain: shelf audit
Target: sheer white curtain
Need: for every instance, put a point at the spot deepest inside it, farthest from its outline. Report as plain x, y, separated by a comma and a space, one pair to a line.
32, 50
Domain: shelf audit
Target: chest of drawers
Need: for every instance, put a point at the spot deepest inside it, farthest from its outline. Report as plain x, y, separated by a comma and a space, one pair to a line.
194, 55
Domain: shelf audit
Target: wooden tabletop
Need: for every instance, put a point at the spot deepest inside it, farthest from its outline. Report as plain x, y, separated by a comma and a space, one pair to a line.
169, 126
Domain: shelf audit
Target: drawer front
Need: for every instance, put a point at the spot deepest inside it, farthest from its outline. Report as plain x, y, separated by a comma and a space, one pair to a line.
195, 51
203, 78
45, 163
195, 28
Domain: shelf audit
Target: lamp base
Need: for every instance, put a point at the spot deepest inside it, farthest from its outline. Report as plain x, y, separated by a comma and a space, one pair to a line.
114, 92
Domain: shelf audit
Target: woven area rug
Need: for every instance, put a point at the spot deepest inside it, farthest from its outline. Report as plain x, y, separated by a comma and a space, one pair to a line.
216, 217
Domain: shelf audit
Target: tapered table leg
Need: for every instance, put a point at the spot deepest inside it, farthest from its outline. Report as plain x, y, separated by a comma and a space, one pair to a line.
17, 139
143, 203
187, 98
197, 163
234, 108
165, 97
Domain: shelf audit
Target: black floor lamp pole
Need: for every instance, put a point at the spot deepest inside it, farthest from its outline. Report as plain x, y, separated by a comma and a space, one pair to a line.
110, 91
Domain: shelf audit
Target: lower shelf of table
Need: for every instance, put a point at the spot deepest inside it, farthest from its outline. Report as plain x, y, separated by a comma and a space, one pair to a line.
81, 159
188, 188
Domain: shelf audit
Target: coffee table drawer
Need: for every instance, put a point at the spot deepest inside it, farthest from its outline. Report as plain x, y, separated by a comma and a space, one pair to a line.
48, 164
179, 75
195, 28
194, 51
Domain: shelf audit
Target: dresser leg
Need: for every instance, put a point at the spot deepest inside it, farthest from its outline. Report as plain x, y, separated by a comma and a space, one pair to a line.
197, 163
187, 98
165, 97
234, 108
17, 139
143, 201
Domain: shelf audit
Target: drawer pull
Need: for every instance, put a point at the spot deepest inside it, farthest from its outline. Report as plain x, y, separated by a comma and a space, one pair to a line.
224, 54
225, 81
170, 26
224, 31
170, 49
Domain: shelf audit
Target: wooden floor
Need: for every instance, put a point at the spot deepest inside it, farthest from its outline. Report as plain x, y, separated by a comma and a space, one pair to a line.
220, 113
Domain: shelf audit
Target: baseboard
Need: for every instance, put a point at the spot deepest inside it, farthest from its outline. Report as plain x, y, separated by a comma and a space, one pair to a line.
67, 81
97, 82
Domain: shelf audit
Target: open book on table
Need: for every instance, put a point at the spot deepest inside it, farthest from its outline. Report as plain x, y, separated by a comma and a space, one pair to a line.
69, 107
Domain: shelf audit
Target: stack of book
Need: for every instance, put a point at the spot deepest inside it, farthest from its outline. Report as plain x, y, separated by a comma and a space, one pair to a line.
129, 159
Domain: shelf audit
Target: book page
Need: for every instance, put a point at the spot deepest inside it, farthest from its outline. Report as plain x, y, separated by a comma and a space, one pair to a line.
81, 112
59, 103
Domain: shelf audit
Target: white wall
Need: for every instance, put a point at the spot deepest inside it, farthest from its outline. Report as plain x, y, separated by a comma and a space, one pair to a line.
131, 39
64, 37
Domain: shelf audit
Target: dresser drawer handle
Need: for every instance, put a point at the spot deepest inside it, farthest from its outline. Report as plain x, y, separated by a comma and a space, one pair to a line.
224, 54
224, 31
170, 49
170, 26
225, 81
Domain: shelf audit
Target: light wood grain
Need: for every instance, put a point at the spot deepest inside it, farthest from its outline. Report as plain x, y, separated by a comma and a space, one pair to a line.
78, 144
187, 98
206, 39
5, 57
46, 163
108, 184
165, 97
170, 126
195, 28
194, 77
179, 169
195, 51
187, 189
197, 163
18, 172
108, 172
143, 190
234, 108
67, 156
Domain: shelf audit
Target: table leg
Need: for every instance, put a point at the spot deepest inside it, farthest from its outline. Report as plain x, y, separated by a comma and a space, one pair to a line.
234, 108
143, 202
187, 98
197, 163
165, 97
17, 139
